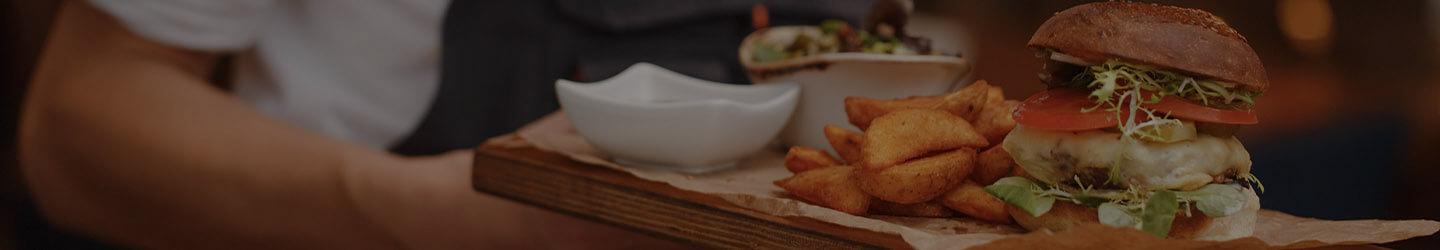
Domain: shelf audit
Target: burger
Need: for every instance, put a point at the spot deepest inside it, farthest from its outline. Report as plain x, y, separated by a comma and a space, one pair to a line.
1137, 126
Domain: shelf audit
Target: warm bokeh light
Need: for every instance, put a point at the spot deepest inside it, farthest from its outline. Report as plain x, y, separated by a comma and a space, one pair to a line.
1307, 24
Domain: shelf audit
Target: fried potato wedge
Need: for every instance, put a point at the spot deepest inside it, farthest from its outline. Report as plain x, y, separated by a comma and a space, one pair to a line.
918, 180
906, 134
995, 121
932, 209
845, 142
1017, 170
991, 165
801, 159
995, 95
833, 187
971, 199
861, 111
969, 101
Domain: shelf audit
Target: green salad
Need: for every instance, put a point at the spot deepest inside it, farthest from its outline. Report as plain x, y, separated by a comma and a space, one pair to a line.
838, 36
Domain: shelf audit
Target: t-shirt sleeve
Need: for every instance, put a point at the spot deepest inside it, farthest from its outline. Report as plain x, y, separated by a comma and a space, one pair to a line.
208, 25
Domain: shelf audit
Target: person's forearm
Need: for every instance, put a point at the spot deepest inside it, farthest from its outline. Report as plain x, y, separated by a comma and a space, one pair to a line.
124, 140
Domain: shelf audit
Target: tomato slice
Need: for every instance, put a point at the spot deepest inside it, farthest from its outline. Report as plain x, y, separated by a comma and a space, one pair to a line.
1060, 109
1181, 108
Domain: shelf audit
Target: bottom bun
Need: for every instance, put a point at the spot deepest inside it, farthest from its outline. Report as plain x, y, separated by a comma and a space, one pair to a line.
1064, 215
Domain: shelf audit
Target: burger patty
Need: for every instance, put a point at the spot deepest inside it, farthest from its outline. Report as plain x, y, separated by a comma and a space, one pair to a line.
1059, 157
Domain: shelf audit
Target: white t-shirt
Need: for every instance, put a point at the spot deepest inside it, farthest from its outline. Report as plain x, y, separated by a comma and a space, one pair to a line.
360, 70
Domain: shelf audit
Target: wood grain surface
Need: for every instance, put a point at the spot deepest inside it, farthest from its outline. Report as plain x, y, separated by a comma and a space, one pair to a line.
554, 182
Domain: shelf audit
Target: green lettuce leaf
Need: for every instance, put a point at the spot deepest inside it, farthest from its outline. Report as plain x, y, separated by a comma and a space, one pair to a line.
1113, 215
767, 53
831, 26
1021, 193
1090, 200
1159, 213
1216, 200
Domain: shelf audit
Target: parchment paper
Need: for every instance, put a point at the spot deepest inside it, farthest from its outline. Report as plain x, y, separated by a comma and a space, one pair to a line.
751, 185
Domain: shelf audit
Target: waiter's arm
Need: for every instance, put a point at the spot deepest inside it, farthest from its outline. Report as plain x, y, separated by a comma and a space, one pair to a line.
123, 139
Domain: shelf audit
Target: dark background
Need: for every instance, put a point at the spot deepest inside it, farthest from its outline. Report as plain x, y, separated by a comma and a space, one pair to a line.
1350, 128
23, 25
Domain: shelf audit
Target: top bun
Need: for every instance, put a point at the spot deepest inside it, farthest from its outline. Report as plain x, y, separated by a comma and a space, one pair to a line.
1186, 40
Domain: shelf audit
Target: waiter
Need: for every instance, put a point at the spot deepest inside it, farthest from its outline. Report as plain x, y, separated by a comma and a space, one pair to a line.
343, 125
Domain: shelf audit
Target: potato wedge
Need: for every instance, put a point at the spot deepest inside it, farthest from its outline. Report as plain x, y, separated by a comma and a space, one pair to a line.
801, 159
968, 102
971, 199
991, 165
845, 142
833, 187
918, 180
932, 209
996, 120
906, 134
994, 94
1017, 170
861, 111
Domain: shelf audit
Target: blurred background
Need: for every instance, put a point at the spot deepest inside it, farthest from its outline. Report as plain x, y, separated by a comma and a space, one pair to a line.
1350, 128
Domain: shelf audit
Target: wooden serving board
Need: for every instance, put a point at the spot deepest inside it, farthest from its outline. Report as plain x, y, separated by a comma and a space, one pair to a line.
553, 181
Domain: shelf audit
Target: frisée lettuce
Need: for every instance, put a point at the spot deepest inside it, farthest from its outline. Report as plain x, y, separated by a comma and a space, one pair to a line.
1106, 78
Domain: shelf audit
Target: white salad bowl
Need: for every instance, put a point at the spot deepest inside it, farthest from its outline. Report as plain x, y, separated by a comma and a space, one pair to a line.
829, 78
651, 117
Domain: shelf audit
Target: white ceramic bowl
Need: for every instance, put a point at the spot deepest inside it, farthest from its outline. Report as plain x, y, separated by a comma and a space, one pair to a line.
648, 116
829, 78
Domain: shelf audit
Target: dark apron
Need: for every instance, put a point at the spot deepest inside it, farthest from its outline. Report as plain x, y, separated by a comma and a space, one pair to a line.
501, 58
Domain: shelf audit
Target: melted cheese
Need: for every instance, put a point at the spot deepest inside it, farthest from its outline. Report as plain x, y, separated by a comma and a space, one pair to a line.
1057, 156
